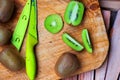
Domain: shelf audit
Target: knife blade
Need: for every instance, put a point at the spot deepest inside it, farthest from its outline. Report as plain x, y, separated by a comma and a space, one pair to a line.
113, 5
19, 32
32, 40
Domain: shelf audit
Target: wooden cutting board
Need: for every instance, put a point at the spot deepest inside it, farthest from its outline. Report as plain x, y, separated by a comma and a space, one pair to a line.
51, 46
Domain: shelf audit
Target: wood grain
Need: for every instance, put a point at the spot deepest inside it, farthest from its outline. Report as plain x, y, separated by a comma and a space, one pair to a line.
51, 46
87, 76
106, 17
71, 78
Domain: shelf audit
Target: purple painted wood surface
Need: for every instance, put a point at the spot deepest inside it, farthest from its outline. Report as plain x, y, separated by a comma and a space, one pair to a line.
114, 56
86, 76
72, 78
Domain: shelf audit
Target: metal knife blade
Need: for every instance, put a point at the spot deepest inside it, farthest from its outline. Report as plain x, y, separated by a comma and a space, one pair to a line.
19, 32
113, 5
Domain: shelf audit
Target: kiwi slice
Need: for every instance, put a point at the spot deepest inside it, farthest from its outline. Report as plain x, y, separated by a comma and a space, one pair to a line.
71, 42
74, 13
53, 23
86, 40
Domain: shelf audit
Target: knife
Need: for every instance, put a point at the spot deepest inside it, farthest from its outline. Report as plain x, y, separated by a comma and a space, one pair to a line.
32, 40
19, 32
113, 5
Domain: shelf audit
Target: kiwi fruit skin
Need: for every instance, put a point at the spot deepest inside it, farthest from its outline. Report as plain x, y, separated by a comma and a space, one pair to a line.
11, 59
6, 10
5, 36
66, 65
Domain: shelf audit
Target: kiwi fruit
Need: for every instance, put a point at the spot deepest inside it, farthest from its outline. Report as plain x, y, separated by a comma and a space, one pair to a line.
5, 35
11, 59
74, 13
86, 40
66, 65
71, 42
6, 10
53, 23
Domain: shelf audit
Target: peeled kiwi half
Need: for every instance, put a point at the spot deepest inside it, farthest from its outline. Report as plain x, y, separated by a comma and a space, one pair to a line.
6, 10
74, 13
11, 59
66, 65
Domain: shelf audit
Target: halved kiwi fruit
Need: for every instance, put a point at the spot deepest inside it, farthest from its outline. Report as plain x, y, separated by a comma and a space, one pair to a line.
74, 13
53, 23
86, 40
71, 42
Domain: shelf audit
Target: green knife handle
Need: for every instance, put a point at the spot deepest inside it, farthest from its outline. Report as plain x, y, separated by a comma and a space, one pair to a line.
30, 57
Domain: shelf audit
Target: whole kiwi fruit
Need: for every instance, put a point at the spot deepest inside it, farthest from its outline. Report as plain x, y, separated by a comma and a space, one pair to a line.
6, 10
66, 65
11, 59
5, 35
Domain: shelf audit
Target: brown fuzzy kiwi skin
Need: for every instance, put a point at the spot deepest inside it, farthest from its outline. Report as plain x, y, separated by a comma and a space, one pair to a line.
5, 36
11, 59
66, 65
6, 10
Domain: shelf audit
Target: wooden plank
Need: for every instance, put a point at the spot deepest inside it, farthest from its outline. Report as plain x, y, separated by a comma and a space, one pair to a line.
113, 63
51, 46
101, 72
106, 17
71, 78
119, 77
87, 76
